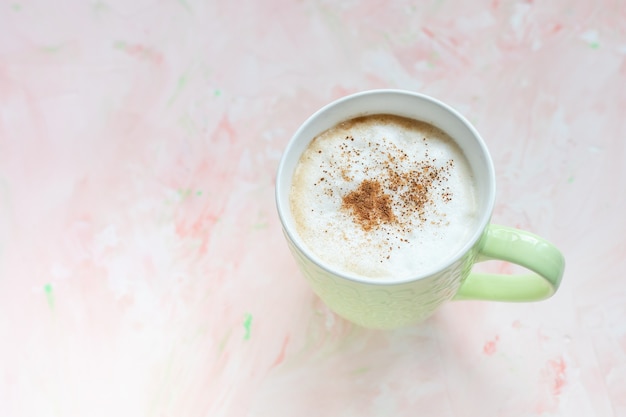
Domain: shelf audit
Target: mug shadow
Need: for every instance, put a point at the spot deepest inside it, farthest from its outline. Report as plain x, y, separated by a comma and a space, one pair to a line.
345, 369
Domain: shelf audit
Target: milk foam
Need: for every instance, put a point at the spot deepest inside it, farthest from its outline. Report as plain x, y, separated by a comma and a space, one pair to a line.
383, 197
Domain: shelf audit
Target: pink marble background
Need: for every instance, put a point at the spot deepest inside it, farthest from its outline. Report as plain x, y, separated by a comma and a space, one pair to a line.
142, 267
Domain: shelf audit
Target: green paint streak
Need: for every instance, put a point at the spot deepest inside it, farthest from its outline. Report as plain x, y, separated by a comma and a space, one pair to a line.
224, 340
594, 45
49, 296
217, 93
259, 226
184, 193
51, 49
570, 179
182, 81
247, 324
16, 7
99, 7
198, 193
119, 45
432, 60
163, 393
188, 124
361, 370
186, 6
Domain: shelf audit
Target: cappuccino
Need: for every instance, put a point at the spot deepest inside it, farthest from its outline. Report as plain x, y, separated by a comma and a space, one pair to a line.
383, 196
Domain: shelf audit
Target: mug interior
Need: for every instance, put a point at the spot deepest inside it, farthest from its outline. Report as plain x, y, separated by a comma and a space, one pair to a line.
401, 103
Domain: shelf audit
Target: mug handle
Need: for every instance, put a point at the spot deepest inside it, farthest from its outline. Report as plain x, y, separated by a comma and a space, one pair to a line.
534, 253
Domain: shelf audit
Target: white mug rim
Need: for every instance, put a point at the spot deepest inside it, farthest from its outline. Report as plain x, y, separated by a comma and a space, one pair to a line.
295, 239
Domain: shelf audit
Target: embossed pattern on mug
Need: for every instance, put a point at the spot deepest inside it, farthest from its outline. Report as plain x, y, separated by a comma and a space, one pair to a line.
376, 306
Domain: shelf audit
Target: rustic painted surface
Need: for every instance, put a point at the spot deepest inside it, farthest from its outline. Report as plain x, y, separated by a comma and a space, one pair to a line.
142, 267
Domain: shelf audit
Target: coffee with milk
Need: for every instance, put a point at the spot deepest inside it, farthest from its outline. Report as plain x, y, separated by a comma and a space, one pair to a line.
383, 196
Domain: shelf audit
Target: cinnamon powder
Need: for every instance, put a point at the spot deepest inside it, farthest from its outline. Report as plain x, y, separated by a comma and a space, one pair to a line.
400, 191
369, 204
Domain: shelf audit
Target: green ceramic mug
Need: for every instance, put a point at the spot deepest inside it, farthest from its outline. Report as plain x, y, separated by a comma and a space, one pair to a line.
393, 303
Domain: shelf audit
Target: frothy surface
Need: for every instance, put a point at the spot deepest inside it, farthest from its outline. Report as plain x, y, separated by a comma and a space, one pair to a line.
383, 197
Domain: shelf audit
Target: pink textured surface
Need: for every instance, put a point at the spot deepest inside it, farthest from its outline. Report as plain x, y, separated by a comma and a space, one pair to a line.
142, 267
